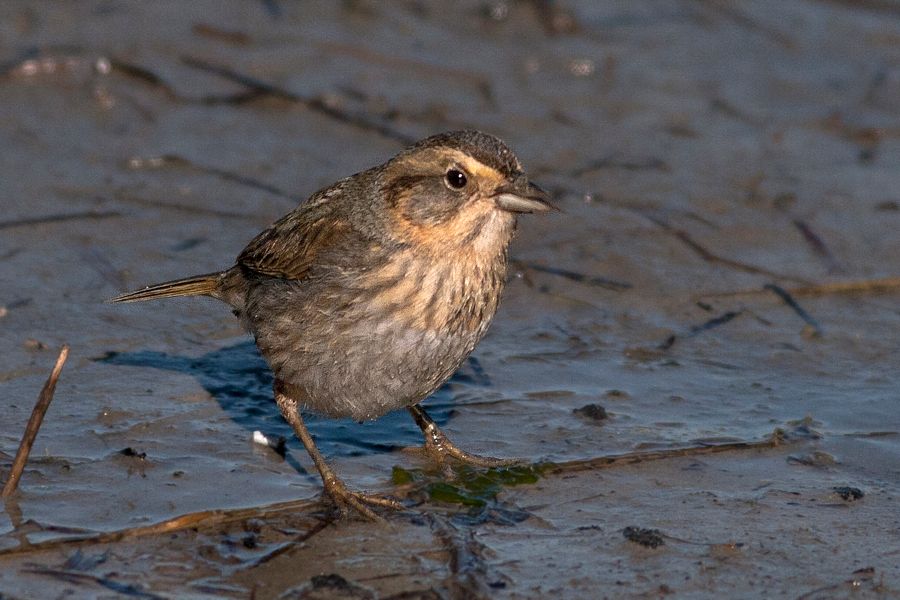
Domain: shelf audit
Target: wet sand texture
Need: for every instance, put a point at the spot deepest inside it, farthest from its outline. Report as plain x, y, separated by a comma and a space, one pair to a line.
697, 357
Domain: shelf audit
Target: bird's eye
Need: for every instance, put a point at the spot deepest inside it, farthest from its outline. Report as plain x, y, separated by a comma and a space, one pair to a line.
456, 179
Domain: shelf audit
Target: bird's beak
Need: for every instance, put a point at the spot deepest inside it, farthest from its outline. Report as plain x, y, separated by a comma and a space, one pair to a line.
522, 196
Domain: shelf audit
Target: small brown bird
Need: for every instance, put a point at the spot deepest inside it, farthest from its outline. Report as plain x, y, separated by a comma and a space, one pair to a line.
370, 295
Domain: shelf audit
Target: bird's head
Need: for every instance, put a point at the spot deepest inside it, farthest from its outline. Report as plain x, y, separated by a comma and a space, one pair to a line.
458, 188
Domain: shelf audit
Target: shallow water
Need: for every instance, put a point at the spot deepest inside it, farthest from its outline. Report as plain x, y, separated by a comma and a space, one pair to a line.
696, 149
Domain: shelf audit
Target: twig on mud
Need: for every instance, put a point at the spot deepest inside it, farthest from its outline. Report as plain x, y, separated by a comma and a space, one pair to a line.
72, 576
148, 77
709, 256
817, 245
466, 564
468, 571
204, 518
713, 323
255, 89
314, 104
886, 284
602, 282
776, 439
730, 110
34, 424
863, 286
697, 329
732, 12
145, 75
36, 62
789, 300
59, 218
282, 548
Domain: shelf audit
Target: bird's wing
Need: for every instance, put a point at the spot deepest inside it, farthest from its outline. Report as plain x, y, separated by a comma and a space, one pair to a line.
292, 244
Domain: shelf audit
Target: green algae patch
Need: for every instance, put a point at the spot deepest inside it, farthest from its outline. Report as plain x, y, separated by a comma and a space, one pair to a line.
470, 487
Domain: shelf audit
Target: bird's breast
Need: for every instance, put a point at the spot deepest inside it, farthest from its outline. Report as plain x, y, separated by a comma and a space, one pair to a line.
455, 294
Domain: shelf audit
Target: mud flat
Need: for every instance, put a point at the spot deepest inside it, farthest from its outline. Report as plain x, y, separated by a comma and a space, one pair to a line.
696, 358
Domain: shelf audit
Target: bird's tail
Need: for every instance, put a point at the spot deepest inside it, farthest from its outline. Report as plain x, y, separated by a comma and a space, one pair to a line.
198, 285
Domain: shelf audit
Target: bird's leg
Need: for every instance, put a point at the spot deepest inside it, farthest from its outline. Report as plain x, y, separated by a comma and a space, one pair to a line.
334, 487
440, 447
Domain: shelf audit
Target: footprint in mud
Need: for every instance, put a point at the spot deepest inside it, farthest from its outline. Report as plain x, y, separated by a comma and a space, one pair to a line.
240, 381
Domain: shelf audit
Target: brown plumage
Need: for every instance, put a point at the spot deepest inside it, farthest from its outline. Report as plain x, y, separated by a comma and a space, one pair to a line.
368, 296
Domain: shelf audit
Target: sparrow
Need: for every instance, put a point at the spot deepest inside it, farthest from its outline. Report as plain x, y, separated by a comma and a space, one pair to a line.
367, 297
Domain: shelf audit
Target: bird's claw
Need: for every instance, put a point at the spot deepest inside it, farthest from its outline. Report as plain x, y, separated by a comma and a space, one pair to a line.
439, 447
347, 501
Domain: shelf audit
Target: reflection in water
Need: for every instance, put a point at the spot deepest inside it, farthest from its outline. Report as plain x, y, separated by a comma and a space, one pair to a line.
240, 381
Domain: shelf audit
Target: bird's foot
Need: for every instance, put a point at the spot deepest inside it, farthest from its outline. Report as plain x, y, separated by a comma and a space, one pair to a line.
439, 447
348, 501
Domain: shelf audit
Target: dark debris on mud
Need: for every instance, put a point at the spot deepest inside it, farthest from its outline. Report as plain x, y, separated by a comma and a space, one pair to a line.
649, 538
850, 494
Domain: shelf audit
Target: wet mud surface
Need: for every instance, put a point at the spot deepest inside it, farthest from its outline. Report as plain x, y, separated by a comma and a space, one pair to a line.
724, 267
